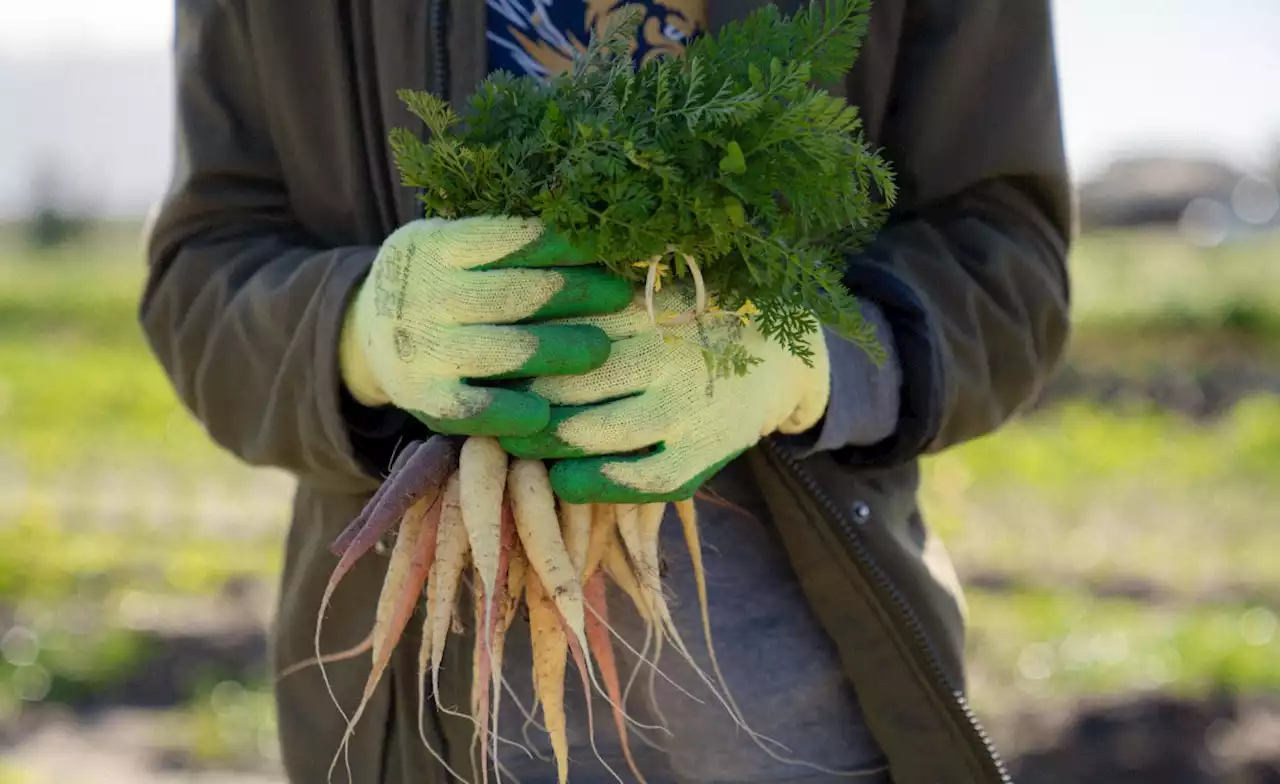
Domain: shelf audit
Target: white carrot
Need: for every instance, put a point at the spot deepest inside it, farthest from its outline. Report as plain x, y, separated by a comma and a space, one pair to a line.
452, 550
535, 512
482, 473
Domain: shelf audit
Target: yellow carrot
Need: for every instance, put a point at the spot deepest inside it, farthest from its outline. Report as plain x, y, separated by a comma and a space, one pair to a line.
603, 525
550, 661
575, 526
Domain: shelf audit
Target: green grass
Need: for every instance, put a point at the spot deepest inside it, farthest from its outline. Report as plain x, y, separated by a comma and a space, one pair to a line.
76, 376
1144, 278
228, 723
1082, 492
1148, 302
1041, 647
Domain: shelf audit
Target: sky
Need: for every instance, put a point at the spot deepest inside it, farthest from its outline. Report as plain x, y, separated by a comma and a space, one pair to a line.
1150, 75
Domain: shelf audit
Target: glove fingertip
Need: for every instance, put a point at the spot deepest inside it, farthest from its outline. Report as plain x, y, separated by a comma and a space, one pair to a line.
550, 249
509, 413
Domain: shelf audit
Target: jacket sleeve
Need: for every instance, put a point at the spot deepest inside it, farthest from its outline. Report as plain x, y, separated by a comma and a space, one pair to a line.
971, 268
241, 307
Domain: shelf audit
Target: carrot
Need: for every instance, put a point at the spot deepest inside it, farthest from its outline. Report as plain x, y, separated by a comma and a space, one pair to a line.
516, 572
329, 658
688, 515
575, 525
638, 526
442, 584
340, 545
602, 649
512, 582
442, 587
482, 469
398, 599
406, 574
535, 514
422, 474
618, 568
485, 665
550, 648
480, 683
603, 524
580, 659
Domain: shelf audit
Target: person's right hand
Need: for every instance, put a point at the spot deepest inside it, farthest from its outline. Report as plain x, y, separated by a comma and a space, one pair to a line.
450, 304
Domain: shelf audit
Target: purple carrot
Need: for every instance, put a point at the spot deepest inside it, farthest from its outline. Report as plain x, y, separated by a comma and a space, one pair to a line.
340, 545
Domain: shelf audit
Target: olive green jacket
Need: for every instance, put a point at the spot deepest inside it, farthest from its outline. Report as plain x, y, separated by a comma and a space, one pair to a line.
283, 188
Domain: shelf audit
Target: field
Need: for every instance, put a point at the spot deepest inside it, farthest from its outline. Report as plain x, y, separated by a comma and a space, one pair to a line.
1118, 541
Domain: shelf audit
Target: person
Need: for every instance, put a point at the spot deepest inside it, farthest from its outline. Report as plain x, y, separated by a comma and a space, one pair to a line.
313, 319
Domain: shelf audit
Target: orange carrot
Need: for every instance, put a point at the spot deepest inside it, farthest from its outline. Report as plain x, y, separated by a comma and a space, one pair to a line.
602, 649
580, 659
406, 574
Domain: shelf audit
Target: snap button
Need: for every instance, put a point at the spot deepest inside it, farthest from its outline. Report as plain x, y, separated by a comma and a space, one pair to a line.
861, 512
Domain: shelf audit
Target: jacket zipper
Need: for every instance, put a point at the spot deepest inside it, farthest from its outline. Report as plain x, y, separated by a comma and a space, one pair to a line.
959, 704
439, 53
437, 13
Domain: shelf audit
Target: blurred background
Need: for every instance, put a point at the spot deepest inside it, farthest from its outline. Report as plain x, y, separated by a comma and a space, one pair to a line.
1120, 542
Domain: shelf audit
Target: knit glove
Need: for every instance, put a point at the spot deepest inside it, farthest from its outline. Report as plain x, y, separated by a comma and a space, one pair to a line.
656, 393
449, 304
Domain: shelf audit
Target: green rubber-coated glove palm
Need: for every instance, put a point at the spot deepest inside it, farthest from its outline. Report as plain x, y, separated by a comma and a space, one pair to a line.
449, 304
657, 395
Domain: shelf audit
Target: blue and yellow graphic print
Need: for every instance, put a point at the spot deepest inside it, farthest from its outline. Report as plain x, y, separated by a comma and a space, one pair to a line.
540, 37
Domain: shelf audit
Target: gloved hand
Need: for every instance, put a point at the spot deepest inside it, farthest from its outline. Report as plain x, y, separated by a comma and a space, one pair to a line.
449, 303
656, 390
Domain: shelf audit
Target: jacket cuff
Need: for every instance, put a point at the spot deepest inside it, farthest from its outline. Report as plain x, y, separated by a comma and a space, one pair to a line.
370, 436
922, 393
863, 404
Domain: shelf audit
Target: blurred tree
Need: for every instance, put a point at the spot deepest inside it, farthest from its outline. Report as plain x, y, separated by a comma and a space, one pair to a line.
53, 219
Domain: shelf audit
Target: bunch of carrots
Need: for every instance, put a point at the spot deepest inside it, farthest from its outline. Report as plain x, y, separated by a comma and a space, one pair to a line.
466, 507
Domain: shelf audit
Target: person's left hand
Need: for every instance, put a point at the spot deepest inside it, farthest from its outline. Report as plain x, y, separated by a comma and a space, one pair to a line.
657, 395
